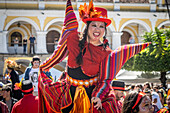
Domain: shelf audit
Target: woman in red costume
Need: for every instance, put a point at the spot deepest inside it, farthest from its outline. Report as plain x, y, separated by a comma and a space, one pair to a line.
91, 65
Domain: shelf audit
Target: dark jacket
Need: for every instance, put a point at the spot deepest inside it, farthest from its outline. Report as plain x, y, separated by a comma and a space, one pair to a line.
15, 79
3, 107
12, 103
26, 77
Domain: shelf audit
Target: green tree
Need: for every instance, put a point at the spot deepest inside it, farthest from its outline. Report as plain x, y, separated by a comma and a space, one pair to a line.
154, 58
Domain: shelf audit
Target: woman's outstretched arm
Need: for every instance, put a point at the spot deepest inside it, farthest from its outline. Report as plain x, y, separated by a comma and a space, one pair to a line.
70, 25
112, 64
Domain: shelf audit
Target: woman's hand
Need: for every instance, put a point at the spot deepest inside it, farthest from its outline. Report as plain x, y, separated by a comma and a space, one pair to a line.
97, 102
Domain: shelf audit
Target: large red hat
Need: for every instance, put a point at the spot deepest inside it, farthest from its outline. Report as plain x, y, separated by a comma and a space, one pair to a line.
90, 13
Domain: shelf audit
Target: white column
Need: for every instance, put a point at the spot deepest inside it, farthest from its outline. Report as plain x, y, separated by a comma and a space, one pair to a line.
2, 18
153, 22
41, 42
153, 1
152, 7
41, 19
116, 7
41, 5
3, 42
116, 1
116, 39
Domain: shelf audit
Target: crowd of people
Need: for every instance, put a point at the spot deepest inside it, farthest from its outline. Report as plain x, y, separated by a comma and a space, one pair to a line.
87, 84
133, 98
19, 96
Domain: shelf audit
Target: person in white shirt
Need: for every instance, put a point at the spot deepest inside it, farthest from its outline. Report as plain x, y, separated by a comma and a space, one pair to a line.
156, 99
31, 73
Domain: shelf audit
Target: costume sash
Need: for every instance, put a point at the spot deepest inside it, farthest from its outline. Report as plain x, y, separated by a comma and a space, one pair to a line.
81, 101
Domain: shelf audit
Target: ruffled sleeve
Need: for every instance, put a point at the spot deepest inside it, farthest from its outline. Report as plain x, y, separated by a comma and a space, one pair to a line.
111, 65
70, 25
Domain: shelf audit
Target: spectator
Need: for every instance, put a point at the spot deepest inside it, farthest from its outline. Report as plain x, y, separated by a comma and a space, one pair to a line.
168, 103
147, 85
3, 107
148, 93
1, 92
132, 88
138, 88
119, 88
162, 90
29, 103
131, 40
16, 42
7, 97
136, 102
56, 42
127, 89
31, 73
11, 65
32, 42
156, 98
25, 45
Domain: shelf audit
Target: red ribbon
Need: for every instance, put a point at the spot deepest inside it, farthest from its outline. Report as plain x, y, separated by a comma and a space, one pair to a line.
119, 88
140, 95
26, 91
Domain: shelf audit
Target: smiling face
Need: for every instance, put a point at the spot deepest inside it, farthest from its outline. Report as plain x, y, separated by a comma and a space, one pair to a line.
145, 106
36, 64
96, 31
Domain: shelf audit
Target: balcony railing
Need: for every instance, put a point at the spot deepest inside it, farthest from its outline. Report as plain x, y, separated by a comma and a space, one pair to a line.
20, 0
134, 1
109, 1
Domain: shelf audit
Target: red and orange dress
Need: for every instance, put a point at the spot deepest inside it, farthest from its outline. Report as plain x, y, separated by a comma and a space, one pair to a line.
91, 79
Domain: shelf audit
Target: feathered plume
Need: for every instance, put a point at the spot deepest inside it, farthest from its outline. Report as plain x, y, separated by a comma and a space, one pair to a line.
88, 11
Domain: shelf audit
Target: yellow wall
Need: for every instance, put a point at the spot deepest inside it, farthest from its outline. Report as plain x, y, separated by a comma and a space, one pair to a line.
110, 7
58, 6
159, 21
134, 8
48, 19
123, 21
21, 6
55, 26
135, 35
10, 18
113, 24
147, 21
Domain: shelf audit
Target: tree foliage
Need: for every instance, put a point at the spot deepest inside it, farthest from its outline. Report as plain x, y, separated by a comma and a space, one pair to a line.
154, 58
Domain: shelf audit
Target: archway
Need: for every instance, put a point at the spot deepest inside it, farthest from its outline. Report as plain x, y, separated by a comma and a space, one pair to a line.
51, 35
140, 22
16, 35
137, 27
165, 24
125, 38
31, 22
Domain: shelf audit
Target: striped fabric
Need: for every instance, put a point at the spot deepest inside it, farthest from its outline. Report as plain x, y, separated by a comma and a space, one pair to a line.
50, 93
109, 105
70, 24
111, 65
55, 96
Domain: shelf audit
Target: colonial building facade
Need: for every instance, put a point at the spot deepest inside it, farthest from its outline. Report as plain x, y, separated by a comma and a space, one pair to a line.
44, 19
